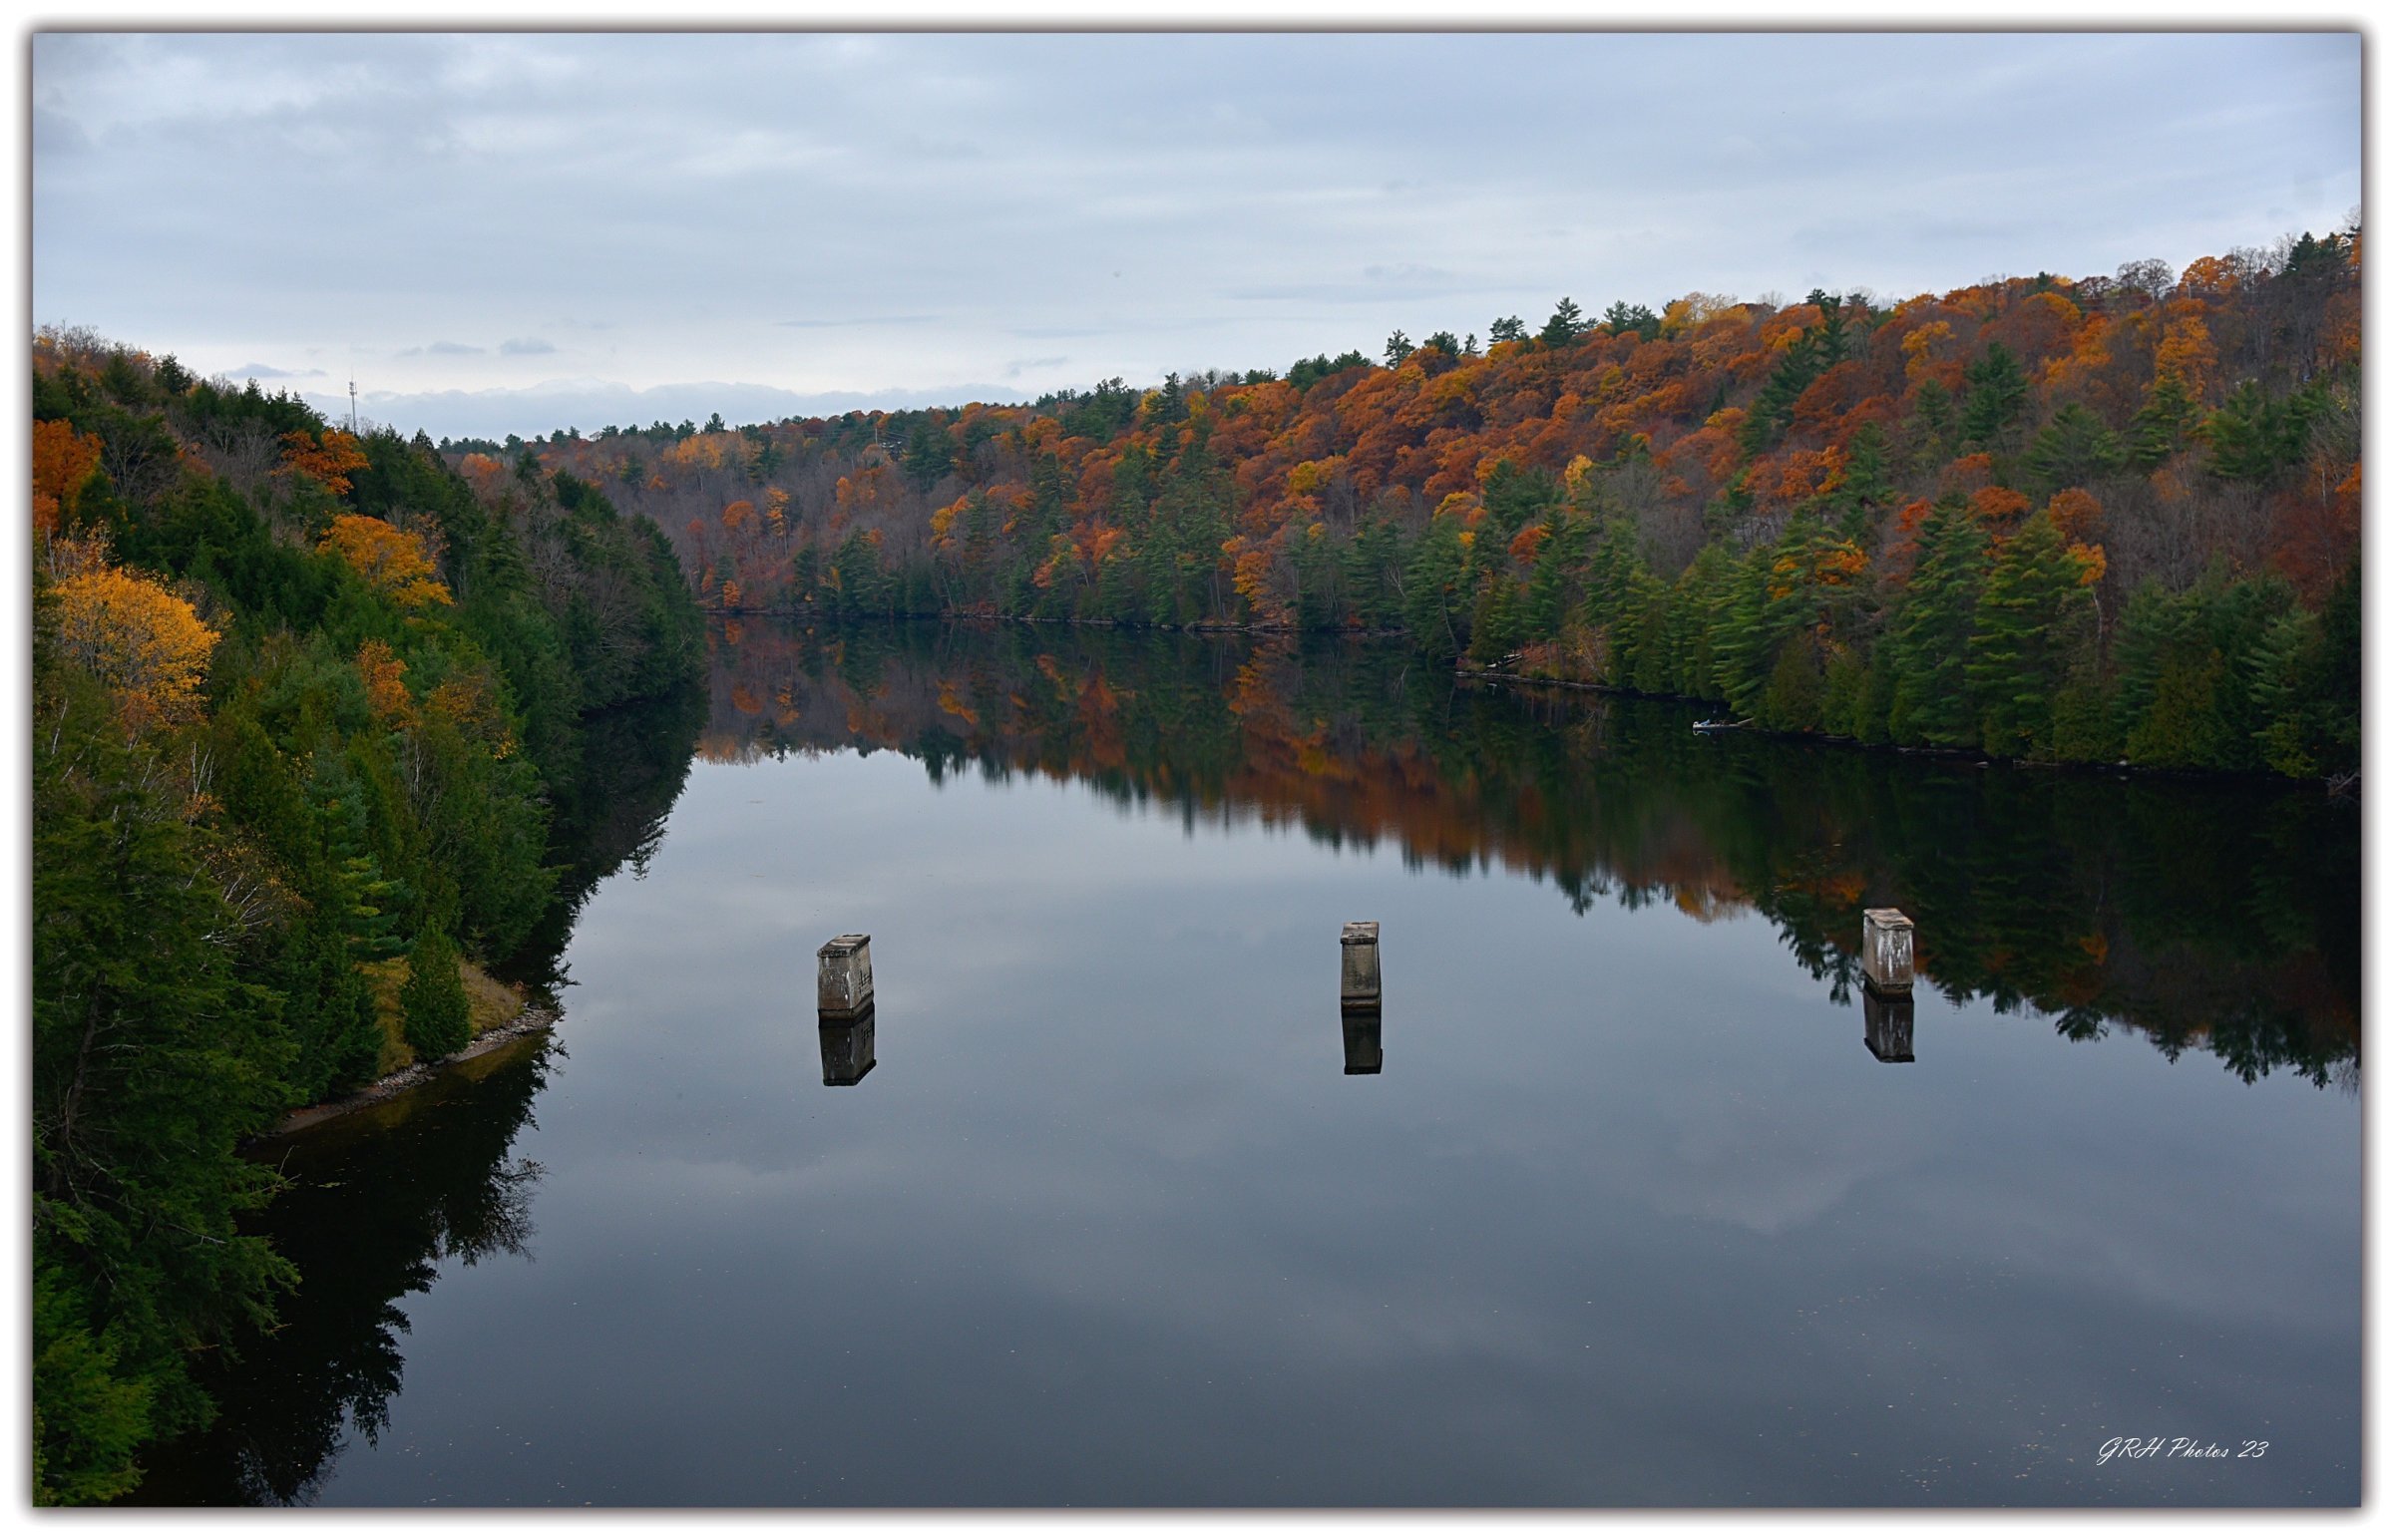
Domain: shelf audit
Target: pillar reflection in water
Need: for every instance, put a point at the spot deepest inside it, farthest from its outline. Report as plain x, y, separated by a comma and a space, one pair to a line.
1887, 1027
1360, 1025
847, 1048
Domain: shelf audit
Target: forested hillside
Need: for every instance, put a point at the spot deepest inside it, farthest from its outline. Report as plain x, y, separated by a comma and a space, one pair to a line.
2116, 518
304, 707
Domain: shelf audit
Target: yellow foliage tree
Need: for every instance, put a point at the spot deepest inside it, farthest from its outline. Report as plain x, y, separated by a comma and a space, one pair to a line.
2186, 353
147, 646
393, 562
471, 700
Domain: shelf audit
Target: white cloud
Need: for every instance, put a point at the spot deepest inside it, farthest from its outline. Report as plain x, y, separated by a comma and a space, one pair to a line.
826, 214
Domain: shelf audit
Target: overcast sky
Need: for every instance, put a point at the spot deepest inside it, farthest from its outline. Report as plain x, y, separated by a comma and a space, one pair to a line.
914, 218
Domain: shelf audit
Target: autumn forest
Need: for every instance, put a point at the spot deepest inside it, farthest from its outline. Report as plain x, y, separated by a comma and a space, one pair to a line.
2116, 518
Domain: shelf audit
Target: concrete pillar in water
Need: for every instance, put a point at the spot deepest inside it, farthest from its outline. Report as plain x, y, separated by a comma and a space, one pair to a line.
1887, 1027
844, 977
1359, 965
847, 1048
1360, 1025
1887, 950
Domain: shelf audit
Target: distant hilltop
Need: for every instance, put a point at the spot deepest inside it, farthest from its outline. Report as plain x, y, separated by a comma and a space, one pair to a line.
533, 411
2091, 520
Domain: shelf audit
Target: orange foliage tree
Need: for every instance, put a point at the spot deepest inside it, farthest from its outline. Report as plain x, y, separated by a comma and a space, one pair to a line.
63, 460
328, 459
386, 684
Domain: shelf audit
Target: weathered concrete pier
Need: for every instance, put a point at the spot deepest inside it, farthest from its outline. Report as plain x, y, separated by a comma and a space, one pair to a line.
844, 977
1887, 952
847, 1048
1359, 965
1358, 994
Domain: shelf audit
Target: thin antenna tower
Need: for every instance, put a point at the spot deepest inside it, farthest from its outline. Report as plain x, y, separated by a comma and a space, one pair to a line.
353, 406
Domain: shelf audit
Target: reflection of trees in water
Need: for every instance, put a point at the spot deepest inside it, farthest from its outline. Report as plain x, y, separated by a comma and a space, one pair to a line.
635, 762
2202, 913
375, 1205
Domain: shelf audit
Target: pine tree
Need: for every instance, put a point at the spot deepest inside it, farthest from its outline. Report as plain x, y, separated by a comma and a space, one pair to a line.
1564, 550
90, 1413
1995, 391
1845, 687
2163, 424
2182, 727
1928, 435
2074, 450
437, 1022
2153, 622
1741, 637
2282, 667
1434, 597
1867, 485
1793, 700
1564, 326
150, 1058
1929, 640
2035, 626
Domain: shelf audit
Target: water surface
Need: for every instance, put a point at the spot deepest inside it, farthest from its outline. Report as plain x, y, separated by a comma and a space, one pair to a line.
1633, 1195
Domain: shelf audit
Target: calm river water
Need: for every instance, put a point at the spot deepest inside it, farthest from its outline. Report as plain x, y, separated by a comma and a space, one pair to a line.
1644, 1202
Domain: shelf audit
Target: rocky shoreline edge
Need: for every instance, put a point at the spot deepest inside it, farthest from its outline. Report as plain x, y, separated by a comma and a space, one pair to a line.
532, 1018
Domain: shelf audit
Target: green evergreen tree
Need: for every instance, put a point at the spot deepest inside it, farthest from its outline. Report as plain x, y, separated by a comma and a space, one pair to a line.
1435, 599
2153, 622
2282, 666
150, 1058
90, 1413
2035, 627
2255, 437
2074, 450
1741, 648
1928, 638
1621, 317
929, 450
1868, 487
1995, 391
1548, 603
1929, 432
2163, 424
1794, 699
437, 1022
1774, 409
2083, 714
1564, 326
2182, 727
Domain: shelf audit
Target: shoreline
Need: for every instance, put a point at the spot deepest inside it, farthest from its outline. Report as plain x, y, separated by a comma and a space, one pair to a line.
2340, 784
530, 1020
